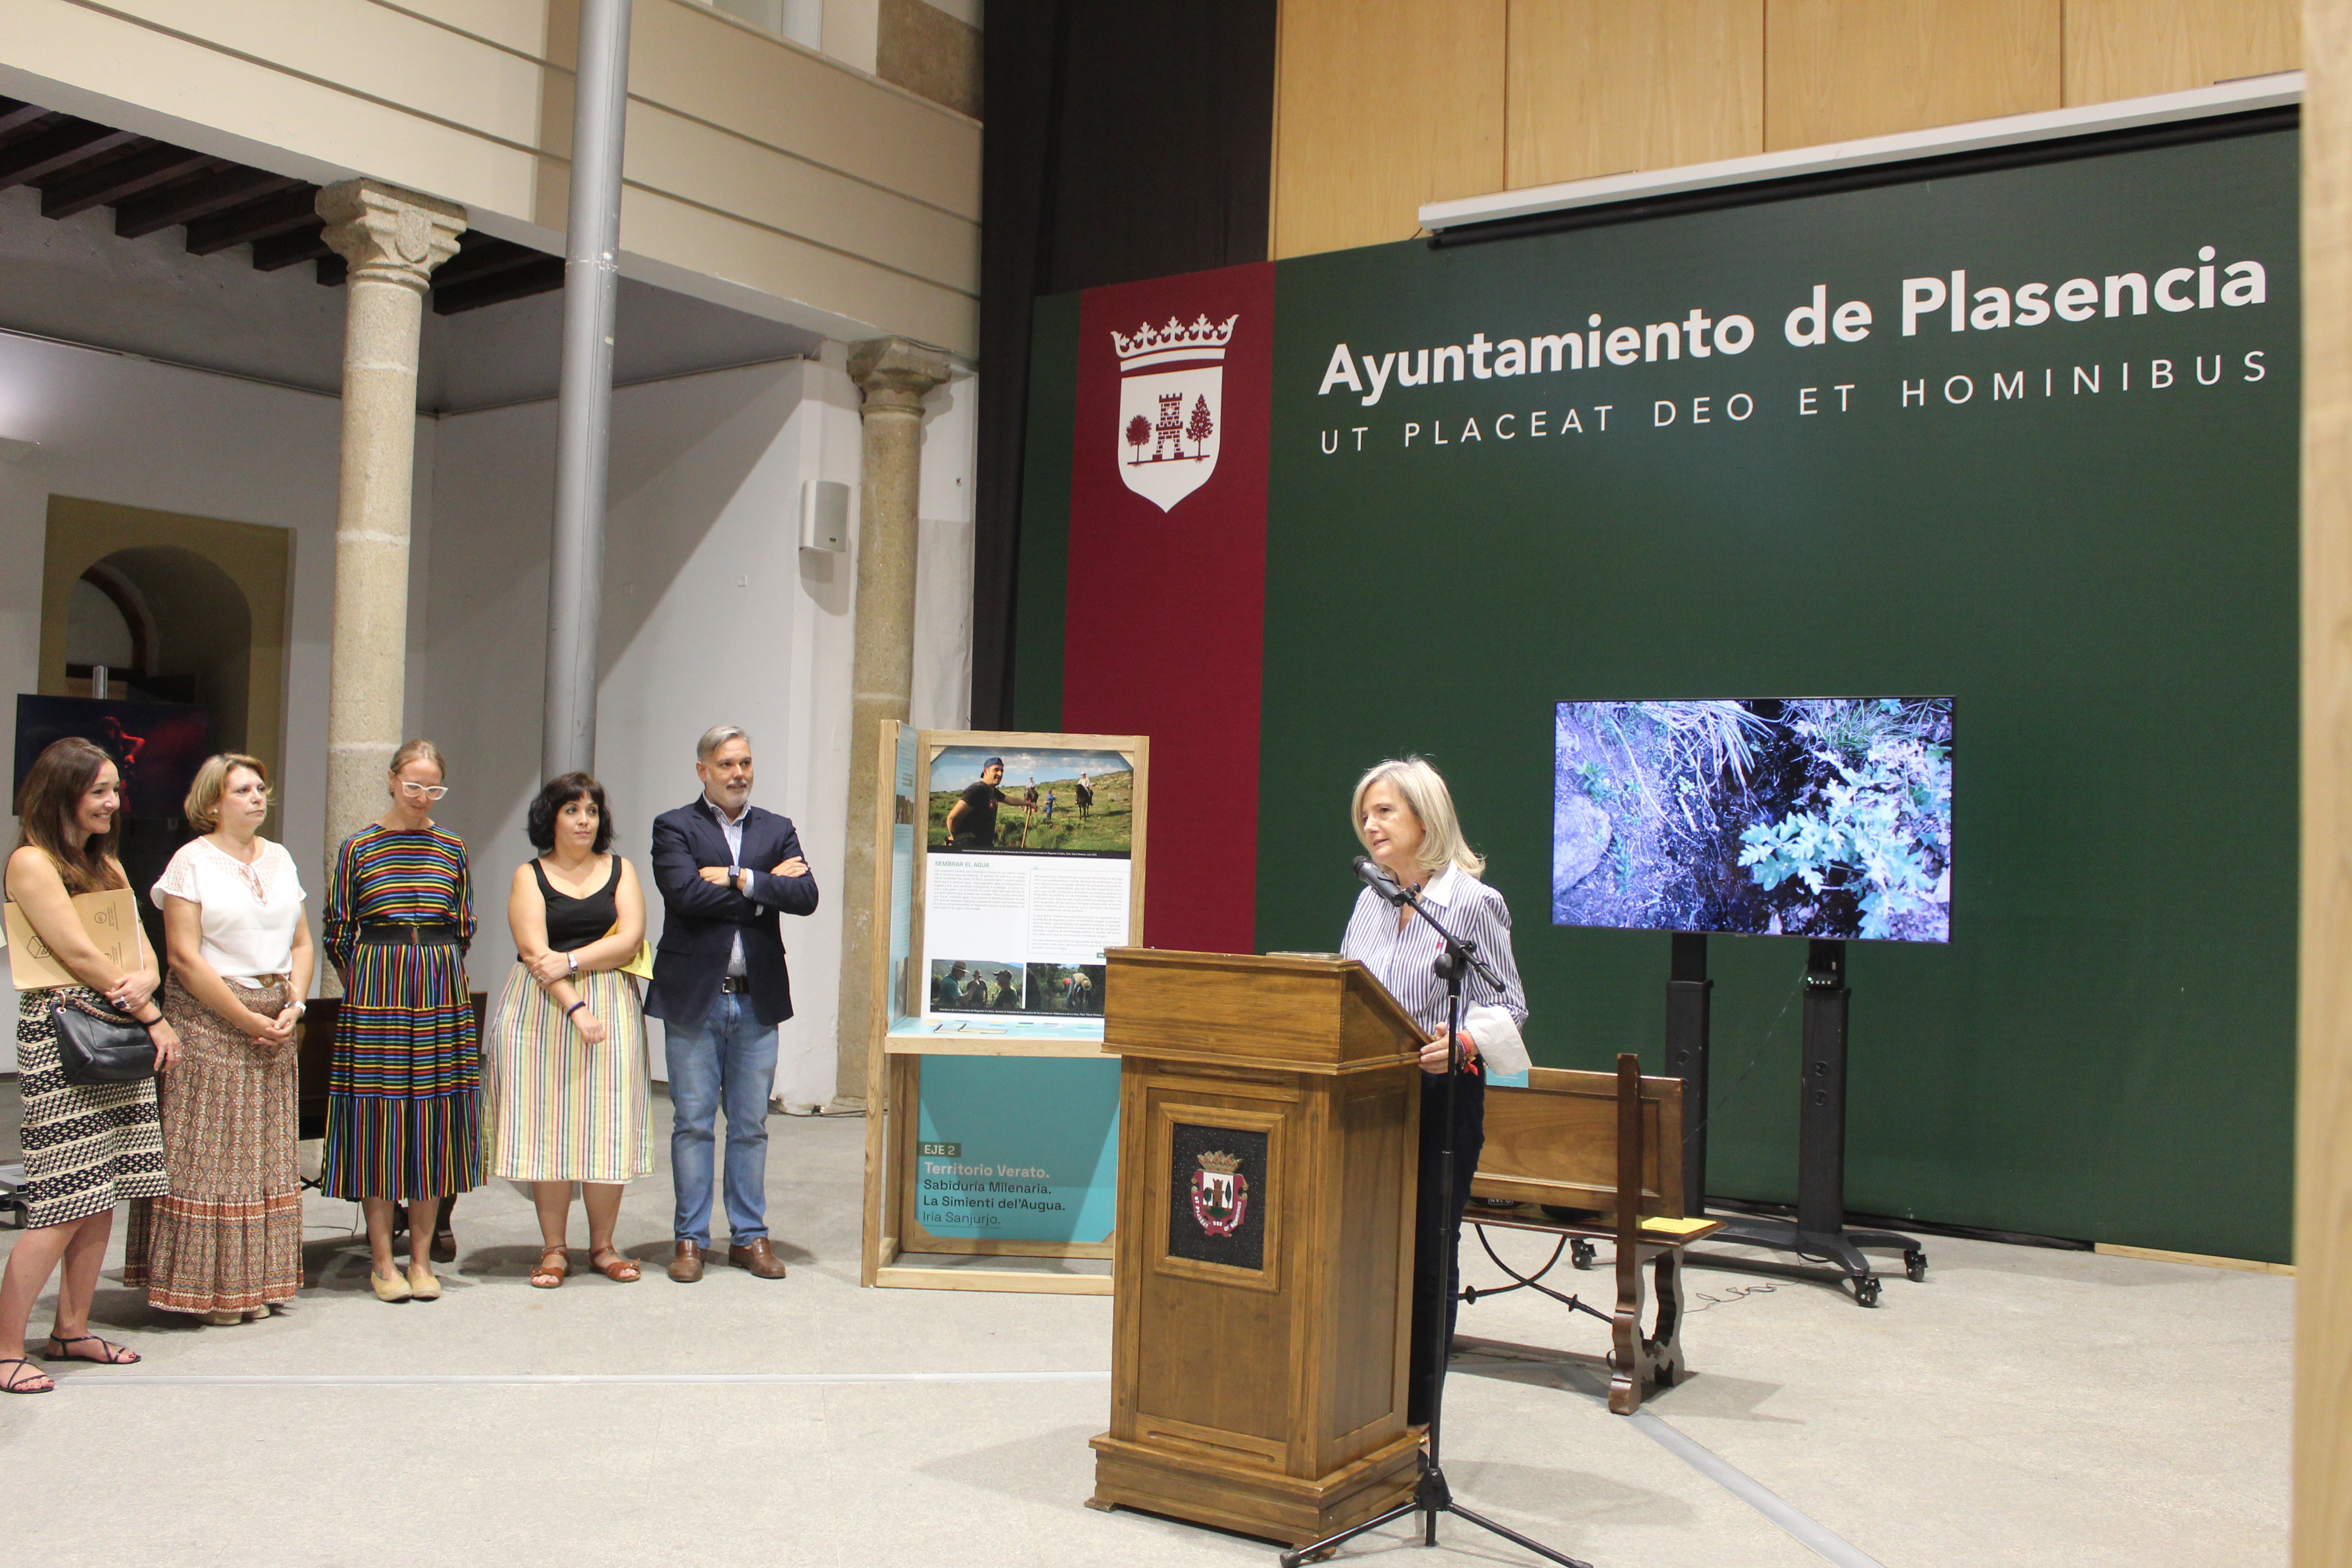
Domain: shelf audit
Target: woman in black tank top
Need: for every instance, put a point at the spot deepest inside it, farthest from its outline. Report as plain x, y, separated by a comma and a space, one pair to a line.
567, 1096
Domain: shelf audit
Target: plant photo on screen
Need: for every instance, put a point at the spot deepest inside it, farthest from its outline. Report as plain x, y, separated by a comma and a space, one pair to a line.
1826, 817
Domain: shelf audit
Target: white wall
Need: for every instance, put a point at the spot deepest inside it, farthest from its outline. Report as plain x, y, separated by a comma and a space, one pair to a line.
711, 611
712, 614
134, 433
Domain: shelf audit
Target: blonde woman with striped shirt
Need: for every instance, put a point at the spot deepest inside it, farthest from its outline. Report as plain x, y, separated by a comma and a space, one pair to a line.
1404, 817
567, 1096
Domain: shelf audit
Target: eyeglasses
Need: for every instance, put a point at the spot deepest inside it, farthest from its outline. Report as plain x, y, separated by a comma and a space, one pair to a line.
422, 792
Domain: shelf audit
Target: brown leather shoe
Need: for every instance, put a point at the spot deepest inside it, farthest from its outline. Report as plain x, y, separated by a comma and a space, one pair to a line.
762, 1262
685, 1263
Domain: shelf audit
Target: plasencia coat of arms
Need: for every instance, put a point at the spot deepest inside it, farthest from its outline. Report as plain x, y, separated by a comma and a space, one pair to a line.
1171, 384
1220, 1193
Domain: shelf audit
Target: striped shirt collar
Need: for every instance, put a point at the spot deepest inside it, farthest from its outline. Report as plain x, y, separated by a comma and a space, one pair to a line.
1440, 890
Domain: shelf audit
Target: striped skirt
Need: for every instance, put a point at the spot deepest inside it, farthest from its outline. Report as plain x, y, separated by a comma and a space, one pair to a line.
228, 1235
555, 1108
87, 1146
401, 1118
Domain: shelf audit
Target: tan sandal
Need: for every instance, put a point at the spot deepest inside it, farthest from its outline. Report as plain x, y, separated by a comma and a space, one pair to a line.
546, 1276
621, 1270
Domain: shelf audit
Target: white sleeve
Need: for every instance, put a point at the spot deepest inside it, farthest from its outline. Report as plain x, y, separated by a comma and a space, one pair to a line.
1498, 1038
179, 879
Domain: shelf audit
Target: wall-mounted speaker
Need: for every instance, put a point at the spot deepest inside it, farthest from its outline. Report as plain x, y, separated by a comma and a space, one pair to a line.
824, 515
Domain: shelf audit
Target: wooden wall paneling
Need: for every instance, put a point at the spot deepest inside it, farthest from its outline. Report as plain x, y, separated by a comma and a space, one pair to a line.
2323, 1235
1381, 105
1838, 69
2129, 48
1600, 87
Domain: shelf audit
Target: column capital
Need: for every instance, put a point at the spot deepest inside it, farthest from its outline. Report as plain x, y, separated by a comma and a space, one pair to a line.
894, 372
389, 235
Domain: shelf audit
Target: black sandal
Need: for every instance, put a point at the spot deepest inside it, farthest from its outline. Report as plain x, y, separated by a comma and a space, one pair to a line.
8, 1384
127, 1358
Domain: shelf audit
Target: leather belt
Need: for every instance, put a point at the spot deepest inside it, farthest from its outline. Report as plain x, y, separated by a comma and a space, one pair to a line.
380, 933
734, 984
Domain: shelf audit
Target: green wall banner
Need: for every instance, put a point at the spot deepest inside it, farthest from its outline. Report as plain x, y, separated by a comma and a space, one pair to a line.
2024, 437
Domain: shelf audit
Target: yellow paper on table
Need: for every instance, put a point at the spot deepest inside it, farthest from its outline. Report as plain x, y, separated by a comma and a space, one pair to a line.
110, 919
1675, 1225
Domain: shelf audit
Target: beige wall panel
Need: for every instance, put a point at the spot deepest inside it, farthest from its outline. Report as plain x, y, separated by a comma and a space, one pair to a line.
2129, 48
543, 29
1381, 105
126, 61
368, 49
667, 230
2323, 1222
1838, 69
695, 162
734, 128
1602, 87
691, 60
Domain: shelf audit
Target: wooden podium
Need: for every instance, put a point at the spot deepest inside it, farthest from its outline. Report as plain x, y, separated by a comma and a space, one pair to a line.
1268, 1110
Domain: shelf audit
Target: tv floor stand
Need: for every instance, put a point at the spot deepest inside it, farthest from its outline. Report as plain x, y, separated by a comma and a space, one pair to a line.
1819, 1233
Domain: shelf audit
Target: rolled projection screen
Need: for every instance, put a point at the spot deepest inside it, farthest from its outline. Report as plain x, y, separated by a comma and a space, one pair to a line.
1821, 816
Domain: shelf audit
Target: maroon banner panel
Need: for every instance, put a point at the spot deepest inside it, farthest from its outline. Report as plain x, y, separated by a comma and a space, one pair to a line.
1166, 611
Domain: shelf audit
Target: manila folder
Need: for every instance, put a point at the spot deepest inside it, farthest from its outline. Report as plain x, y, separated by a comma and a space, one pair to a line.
111, 920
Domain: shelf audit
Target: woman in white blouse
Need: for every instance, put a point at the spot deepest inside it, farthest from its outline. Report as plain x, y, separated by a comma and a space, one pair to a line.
226, 1242
1405, 815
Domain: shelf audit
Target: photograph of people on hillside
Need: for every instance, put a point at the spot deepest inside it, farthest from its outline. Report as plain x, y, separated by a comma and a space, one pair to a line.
1034, 801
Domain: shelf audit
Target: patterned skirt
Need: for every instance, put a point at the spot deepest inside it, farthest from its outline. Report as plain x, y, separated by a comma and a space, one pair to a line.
555, 1108
87, 1146
228, 1235
401, 1118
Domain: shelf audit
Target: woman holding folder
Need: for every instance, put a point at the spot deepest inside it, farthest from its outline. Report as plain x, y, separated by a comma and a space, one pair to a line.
88, 1147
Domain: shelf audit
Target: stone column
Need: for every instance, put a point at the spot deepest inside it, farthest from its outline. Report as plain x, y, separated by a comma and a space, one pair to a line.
894, 375
392, 239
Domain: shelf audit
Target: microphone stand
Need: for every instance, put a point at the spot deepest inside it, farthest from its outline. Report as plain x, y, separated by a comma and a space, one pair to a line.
1430, 1495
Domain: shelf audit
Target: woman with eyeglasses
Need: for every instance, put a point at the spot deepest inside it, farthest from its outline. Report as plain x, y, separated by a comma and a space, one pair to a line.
401, 1119
226, 1243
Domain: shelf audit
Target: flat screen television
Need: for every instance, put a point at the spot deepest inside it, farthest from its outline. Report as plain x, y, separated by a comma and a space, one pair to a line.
1811, 816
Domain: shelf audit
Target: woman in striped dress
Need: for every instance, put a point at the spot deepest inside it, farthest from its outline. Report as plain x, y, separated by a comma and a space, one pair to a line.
88, 1147
401, 1119
566, 1096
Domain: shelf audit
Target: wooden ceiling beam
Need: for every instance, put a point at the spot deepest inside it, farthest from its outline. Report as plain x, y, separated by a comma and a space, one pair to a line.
274, 213
541, 274
75, 190
187, 200
15, 112
51, 147
483, 259
308, 243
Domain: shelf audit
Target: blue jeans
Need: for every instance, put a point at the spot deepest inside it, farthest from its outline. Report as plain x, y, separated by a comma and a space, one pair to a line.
730, 1058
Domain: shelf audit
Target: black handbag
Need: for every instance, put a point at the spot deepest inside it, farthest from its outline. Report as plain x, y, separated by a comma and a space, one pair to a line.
100, 1044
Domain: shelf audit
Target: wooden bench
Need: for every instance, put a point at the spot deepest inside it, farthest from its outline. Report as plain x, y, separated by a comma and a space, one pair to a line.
1575, 1141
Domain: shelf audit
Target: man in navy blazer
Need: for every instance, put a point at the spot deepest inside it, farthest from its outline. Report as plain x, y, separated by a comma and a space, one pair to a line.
726, 870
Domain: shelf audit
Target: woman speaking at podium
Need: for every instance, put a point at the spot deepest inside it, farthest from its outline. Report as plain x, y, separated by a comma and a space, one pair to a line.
1405, 815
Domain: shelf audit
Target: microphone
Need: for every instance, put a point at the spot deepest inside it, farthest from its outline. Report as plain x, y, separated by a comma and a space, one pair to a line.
1373, 876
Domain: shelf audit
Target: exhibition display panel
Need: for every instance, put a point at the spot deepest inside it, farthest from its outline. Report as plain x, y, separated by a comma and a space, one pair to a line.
1007, 866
